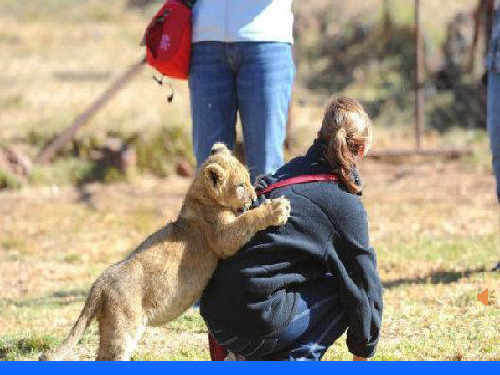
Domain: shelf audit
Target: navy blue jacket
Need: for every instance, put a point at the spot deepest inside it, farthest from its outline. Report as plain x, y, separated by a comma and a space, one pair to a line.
254, 292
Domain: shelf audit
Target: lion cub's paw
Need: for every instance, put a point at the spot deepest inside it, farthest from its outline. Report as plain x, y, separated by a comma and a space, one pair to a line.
279, 210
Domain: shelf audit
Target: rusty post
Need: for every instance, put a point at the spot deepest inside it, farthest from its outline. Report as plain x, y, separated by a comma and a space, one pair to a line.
419, 78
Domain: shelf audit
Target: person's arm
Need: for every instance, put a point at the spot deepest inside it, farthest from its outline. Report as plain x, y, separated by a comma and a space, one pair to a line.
354, 263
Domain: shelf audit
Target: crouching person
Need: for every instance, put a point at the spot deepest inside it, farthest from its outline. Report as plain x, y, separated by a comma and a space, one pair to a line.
292, 291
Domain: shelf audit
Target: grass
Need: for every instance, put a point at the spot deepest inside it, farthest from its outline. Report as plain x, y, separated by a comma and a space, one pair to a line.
76, 36
11, 347
9, 181
434, 226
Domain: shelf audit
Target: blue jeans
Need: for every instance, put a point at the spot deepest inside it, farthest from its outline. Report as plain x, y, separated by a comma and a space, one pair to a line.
493, 123
254, 78
318, 321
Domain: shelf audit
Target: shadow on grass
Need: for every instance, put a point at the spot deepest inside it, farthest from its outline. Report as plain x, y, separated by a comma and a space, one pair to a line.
436, 277
11, 348
84, 196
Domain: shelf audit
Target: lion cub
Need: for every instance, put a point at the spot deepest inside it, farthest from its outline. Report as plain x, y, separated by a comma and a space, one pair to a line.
167, 273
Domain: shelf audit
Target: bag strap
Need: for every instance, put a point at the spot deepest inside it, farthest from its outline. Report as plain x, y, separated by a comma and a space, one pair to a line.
298, 180
189, 3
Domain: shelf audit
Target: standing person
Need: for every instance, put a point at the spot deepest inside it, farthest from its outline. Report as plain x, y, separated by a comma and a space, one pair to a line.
242, 62
493, 113
292, 291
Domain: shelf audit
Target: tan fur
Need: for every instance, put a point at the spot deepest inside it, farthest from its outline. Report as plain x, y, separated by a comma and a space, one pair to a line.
167, 273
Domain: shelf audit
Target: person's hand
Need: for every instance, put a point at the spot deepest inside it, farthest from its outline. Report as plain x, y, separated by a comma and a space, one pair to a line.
356, 358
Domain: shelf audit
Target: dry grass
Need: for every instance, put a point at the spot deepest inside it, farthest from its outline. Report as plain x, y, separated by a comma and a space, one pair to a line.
435, 226
37, 49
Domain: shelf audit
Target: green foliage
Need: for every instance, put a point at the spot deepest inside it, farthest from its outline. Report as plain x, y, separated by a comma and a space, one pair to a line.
73, 258
190, 321
112, 175
157, 154
148, 356
37, 138
8, 181
11, 243
12, 348
380, 55
68, 170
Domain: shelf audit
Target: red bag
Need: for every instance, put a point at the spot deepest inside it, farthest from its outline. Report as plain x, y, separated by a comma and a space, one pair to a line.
168, 39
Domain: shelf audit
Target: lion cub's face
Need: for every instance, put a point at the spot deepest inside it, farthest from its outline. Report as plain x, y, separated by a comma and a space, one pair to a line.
227, 180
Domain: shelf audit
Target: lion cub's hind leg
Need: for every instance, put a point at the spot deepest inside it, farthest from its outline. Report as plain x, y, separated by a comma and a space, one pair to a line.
120, 329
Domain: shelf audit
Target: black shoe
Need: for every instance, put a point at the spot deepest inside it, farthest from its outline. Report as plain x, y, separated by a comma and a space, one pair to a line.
496, 268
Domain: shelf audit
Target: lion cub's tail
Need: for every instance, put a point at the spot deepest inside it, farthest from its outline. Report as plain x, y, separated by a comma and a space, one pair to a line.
92, 306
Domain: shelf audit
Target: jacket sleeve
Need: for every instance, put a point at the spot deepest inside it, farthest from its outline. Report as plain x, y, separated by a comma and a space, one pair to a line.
354, 263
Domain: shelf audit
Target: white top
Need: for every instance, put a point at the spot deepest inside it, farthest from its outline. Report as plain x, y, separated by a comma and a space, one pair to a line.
243, 21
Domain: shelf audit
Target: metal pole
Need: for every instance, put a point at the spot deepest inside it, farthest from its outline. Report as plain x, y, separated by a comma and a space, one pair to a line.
419, 79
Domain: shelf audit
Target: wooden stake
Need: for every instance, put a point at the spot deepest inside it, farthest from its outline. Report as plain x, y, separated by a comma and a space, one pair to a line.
68, 134
450, 153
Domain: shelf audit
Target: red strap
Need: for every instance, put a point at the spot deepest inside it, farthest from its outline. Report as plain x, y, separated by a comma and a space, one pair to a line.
217, 352
298, 180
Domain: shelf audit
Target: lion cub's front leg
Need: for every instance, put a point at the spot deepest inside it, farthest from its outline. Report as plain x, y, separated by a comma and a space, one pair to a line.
236, 231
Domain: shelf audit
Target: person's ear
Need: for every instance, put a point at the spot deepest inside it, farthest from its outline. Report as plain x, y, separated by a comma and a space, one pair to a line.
362, 152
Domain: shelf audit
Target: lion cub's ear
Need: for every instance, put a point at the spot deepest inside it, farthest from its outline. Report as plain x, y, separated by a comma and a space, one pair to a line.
215, 174
220, 149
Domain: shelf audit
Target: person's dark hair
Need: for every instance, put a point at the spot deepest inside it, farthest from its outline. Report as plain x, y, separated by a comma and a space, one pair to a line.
348, 130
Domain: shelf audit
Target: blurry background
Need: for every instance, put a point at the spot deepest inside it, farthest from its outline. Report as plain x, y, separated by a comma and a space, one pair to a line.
433, 220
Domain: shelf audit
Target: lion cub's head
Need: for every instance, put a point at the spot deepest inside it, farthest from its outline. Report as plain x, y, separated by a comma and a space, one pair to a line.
226, 180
